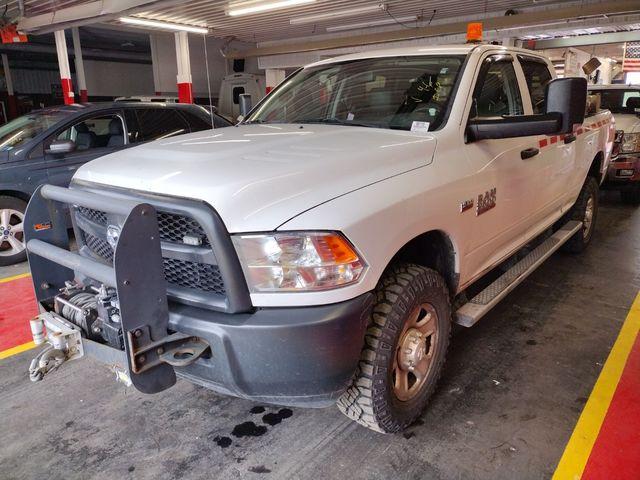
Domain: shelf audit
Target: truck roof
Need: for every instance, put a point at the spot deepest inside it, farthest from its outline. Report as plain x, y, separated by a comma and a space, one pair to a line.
459, 49
616, 86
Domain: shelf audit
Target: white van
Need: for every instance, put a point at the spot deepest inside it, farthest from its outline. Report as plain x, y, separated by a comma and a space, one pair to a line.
233, 86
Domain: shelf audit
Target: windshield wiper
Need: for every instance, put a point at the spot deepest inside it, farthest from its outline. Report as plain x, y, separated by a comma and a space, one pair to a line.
337, 121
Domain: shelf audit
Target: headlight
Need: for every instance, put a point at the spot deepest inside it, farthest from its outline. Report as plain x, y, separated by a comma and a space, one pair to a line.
298, 261
630, 143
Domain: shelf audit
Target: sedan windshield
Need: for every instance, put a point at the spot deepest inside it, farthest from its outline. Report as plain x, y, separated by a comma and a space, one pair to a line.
401, 93
19, 131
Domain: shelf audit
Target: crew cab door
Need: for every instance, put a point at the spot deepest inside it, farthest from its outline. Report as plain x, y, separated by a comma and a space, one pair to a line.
555, 162
502, 185
93, 136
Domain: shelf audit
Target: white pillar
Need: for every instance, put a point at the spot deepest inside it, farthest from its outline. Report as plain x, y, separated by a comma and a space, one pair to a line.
185, 89
77, 50
274, 77
63, 64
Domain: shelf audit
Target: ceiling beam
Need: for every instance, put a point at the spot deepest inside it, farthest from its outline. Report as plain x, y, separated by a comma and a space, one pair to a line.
591, 39
537, 18
87, 14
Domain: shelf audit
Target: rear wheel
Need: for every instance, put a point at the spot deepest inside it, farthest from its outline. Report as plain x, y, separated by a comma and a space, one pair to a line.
12, 245
631, 194
404, 351
584, 210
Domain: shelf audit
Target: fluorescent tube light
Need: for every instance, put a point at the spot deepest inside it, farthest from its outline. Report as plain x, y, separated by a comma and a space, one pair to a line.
320, 17
145, 22
245, 8
373, 23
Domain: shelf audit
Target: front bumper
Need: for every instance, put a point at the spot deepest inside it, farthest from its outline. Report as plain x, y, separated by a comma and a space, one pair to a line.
289, 356
623, 170
293, 356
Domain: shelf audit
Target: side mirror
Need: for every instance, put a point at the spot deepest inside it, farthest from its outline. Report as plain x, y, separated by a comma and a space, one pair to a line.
60, 147
568, 97
565, 101
245, 104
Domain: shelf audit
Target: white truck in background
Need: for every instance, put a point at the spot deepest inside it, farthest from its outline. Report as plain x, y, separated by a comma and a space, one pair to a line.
233, 87
319, 252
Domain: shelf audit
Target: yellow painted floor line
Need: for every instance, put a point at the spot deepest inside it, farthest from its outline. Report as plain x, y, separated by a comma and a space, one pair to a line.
15, 277
575, 456
16, 350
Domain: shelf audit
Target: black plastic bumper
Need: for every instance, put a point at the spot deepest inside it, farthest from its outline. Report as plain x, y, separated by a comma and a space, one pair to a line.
290, 356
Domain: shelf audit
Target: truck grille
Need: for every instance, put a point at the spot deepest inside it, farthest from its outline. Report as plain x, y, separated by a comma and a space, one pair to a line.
202, 277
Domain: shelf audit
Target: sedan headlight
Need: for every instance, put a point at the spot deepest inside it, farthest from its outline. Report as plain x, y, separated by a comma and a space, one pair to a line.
298, 261
630, 143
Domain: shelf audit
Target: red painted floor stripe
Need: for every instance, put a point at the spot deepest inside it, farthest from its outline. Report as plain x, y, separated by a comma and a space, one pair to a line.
17, 307
616, 453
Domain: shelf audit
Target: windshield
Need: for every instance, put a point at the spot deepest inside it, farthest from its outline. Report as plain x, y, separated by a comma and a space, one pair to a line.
19, 131
395, 92
616, 100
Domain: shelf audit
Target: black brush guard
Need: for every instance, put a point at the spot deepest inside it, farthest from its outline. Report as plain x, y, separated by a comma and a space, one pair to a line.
137, 275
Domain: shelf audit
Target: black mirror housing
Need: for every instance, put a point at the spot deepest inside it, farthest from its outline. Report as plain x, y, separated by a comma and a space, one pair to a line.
568, 97
245, 104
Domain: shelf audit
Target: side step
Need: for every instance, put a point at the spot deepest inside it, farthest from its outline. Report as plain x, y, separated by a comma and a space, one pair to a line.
478, 306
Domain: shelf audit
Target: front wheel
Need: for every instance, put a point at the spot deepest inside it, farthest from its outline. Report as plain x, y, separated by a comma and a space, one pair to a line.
584, 210
12, 244
404, 351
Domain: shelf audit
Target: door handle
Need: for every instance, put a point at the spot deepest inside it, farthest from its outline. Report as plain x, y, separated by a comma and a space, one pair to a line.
569, 138
529, 152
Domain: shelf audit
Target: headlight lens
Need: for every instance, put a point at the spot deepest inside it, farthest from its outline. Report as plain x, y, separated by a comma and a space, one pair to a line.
298, 261
630, 143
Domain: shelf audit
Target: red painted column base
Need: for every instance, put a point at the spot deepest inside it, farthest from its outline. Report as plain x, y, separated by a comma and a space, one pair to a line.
13, 107
185, 93
67, 91
84, 96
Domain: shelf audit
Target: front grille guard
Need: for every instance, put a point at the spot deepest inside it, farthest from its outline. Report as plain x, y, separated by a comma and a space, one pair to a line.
137, 274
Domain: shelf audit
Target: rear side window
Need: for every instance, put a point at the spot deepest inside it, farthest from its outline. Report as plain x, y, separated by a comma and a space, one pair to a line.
196, 123
157, 123
537, 75
497, 92
237, 91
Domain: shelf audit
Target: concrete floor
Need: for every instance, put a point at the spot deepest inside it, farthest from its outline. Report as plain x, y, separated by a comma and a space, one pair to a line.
513, 389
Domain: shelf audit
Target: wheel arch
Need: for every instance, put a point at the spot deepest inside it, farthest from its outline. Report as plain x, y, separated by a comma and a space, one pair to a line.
434, 249
16, 194
595, 170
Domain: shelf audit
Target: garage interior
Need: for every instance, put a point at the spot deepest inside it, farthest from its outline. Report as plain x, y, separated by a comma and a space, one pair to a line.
547, 385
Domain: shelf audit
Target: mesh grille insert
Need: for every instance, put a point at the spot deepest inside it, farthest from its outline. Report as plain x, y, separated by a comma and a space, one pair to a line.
173, 227
198, 276
98, 246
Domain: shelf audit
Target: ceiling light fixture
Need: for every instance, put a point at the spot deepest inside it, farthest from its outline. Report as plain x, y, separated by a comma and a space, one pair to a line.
145, 22
350, 12
373, 23
246, 8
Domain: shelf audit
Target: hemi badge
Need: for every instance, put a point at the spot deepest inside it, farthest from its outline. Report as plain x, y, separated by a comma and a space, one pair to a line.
38, 227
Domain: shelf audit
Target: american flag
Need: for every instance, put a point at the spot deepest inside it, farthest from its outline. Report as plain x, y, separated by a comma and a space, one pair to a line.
631, 59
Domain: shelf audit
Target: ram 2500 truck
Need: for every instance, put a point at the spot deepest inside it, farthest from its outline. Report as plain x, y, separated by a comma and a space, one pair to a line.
624, 170
319, 252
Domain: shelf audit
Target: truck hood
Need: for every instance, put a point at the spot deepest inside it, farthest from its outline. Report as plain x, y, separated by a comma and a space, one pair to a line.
259, 176
627, 122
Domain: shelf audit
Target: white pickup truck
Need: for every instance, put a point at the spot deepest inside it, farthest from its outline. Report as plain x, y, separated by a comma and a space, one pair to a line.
320, 251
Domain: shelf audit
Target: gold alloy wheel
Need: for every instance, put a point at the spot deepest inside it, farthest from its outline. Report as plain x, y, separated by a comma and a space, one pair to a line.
588, 217
414, 353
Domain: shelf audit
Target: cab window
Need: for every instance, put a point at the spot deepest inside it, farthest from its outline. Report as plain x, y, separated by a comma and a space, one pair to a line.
103, 131
497, 92
157, 123
537, 75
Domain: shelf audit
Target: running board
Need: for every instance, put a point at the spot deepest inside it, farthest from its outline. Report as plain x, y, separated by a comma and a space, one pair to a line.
478, 306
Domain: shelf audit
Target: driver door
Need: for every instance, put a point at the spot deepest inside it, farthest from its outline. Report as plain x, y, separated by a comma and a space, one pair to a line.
502, 184
93, 137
